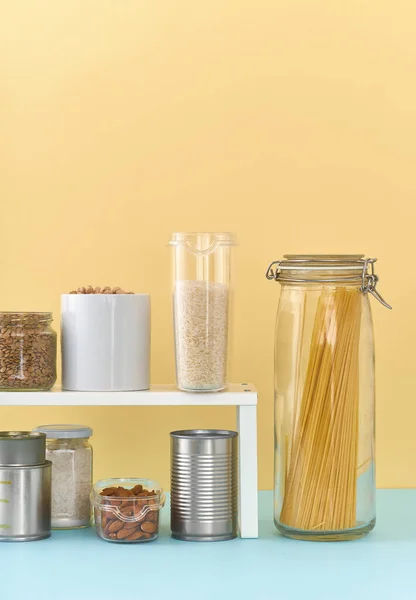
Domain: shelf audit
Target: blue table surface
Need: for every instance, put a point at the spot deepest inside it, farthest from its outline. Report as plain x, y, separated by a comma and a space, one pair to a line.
75, 565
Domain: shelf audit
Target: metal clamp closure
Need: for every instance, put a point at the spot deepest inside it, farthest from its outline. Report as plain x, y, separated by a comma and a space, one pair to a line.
270, 274
368, 280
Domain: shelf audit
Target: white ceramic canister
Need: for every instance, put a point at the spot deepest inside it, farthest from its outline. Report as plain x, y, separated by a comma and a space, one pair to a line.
105, 342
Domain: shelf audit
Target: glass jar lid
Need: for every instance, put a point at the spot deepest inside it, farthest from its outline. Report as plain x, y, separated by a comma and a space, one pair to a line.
351, 269
61, 432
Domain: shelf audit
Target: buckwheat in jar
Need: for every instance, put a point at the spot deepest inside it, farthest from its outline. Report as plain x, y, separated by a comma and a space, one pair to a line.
27, 351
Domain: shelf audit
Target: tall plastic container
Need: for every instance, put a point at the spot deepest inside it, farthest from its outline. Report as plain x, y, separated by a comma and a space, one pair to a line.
201, 309
324, 397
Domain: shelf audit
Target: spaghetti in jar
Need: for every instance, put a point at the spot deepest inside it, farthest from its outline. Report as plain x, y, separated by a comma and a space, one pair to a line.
324, 397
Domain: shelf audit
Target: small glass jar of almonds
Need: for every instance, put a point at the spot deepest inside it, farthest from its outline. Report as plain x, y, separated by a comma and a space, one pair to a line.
127, 510
27, 351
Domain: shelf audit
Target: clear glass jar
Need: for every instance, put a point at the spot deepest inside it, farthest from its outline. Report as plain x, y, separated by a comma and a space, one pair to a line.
324, 397
201, 305
127, 510
69, 450
27, 351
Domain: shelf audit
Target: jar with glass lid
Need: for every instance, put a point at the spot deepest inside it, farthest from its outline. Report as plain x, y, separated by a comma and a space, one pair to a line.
68, 448
324, 397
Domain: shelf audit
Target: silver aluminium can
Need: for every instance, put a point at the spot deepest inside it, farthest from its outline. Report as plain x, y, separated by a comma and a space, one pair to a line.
22, 448
204, 484
25, 487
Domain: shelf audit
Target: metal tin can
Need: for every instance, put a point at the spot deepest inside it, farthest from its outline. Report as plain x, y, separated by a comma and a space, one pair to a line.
25, 487
204, 490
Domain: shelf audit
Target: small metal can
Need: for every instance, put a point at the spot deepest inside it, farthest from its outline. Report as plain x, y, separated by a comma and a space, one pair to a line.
25, 487
204, 485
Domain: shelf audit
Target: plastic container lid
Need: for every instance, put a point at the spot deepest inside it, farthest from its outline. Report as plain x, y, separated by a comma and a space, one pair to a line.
58, 432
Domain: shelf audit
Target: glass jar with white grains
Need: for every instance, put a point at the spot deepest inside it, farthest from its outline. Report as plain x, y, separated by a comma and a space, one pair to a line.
68, 448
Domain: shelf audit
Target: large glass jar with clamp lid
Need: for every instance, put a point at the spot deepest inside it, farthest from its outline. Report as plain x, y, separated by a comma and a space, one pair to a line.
324, 397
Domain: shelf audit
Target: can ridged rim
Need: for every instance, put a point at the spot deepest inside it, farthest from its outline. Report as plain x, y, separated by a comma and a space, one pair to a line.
24, 467
21, 435
204, 538
204, 434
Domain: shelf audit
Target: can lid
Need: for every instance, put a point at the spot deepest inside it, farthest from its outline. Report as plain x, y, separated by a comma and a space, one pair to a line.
22, 448
65, 431
205, 434
21, 435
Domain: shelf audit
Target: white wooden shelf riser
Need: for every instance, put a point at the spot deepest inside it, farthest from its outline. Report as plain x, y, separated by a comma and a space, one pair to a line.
241, 395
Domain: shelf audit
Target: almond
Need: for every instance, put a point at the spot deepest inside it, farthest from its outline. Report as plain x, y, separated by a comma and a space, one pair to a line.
107, 528
116, 526
123, 493
123, 533
115, 502
131, 525
113, 536
148, 527
108, 491
127, 511
138, 509
137, 489
106, 514
136, 535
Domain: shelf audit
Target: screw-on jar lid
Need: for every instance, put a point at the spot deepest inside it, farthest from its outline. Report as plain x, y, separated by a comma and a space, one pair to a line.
57, 432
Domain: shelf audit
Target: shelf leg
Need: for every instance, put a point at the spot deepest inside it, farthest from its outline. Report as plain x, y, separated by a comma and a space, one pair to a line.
248, 495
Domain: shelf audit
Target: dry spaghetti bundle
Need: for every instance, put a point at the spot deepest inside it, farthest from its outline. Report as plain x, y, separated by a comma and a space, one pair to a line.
321, 475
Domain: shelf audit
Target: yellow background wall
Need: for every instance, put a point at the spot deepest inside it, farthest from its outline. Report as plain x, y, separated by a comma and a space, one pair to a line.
290, 123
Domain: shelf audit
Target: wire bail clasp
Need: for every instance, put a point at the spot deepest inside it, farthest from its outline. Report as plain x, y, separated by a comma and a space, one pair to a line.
273, 274
370, 280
